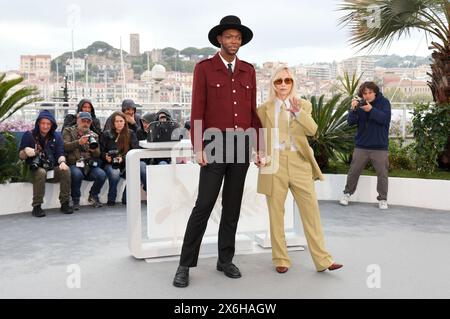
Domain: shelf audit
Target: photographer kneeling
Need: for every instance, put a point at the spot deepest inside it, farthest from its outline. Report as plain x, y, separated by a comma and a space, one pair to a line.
43, 150
83, 155
115, 144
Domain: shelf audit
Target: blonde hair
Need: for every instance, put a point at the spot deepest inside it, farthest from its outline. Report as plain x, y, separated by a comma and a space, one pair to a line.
275, 76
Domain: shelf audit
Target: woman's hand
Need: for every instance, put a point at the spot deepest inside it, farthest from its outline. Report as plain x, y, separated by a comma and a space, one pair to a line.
260, 160
295, 105
108, 158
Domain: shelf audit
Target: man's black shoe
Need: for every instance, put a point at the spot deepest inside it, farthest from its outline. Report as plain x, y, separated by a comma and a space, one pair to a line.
230, 270
181, 279
66, 208
37, 211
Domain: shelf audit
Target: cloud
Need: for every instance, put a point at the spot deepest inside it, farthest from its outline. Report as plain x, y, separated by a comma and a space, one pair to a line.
290, 30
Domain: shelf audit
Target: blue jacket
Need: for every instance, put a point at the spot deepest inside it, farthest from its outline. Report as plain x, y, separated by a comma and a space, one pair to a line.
373, 126
53, 144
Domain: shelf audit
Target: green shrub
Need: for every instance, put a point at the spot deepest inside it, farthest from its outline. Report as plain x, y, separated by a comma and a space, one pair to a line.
431, 128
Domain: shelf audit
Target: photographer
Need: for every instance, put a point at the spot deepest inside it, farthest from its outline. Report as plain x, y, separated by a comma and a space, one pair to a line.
372, 115
146, 120
129, 109
84, 105
43, 150
115, 144
83, 155
163, 130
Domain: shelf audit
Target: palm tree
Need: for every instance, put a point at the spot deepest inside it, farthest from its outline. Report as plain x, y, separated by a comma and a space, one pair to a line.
333, 135
10, 103
376, 23
11, 167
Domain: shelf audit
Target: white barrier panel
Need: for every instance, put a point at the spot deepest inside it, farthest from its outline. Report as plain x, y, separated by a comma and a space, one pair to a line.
172, 191
414, 192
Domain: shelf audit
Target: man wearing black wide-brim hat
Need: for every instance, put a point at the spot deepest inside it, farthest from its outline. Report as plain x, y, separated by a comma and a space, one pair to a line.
223, 98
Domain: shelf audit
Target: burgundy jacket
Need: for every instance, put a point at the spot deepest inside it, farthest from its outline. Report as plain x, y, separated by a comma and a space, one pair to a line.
221, 100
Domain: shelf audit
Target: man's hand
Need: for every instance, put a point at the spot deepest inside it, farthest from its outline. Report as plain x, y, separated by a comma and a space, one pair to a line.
367, 108
130, 119
83, 140
295, 105
355, 104
201, 158
63, 166
30, 152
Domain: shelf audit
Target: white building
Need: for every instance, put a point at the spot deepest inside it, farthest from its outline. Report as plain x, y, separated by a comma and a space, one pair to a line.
38, 66
359, 65
79, 64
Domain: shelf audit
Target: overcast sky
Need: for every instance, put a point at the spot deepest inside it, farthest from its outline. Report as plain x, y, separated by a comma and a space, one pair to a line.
293, 31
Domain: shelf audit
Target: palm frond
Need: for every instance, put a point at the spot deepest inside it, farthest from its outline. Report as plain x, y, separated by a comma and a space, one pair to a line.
11, 103
377, 23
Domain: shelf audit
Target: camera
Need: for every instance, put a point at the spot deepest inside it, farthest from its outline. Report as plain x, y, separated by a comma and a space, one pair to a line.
362, 103
164, 132
92, 163
114, 154
41, 161
93, 144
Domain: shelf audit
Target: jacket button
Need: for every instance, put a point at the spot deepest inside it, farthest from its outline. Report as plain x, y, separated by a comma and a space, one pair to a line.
248, 87
218, 85
234, 91
235, 103
235, 126
235, 115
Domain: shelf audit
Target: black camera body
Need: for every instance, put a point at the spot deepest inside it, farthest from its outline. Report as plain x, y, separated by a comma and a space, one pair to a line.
93, 144
164, 132
92, 163
114, 154
362, 103
41, 161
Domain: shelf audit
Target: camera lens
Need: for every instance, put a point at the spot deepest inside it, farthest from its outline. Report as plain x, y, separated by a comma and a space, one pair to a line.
93, 144
35, 164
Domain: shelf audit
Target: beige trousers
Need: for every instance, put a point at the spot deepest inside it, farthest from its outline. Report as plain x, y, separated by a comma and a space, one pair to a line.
295, 173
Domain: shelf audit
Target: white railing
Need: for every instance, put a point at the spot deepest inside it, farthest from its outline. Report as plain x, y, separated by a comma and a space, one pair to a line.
102, 110
400, 111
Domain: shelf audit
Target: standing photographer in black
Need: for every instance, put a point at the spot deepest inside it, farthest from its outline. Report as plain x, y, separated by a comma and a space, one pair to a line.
83, 155
164, 129
43, 150
372, 115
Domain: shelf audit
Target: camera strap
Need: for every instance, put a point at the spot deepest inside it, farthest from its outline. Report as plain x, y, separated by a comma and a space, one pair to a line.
39, 147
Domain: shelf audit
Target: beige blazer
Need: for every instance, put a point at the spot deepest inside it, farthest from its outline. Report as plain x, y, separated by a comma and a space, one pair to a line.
303, 125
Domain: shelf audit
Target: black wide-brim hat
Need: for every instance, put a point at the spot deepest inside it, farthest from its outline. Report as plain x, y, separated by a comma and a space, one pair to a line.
230, 22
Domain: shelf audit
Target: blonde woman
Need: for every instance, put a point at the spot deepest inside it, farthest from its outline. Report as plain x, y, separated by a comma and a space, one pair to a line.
289, 164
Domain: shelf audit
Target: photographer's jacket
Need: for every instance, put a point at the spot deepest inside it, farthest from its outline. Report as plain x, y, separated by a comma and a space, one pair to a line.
74, 151
221, 100
52, 145
373, 126
71, 119
108, 143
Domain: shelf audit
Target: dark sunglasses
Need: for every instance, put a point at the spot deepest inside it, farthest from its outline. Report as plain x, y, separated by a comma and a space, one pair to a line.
287, 81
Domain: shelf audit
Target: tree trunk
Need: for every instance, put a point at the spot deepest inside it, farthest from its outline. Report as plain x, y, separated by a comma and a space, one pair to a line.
440, 75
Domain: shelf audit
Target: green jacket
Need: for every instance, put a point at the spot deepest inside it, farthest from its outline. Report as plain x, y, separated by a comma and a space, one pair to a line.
74, 150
